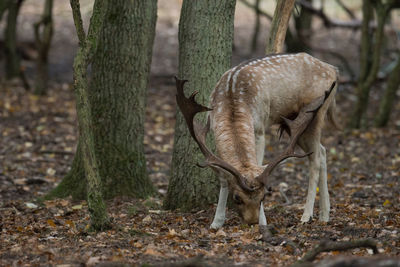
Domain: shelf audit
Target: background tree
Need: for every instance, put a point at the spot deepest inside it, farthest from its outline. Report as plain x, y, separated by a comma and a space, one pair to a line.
205, 49
120, 69
13, 68
43, 30
388, 98
3, 7
369, 66
254, 40
296, 39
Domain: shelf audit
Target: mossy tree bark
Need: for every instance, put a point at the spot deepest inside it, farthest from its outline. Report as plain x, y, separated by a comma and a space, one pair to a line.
120, 69
205, 49
387, 101
97, 208
43, 30
369, 69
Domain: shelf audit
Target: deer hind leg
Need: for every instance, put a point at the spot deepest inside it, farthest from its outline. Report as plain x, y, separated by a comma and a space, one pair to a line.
260, 149
310, 142
219, 217
324, 204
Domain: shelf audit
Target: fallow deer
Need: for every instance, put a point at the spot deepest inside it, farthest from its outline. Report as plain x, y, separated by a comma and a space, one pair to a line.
295, 91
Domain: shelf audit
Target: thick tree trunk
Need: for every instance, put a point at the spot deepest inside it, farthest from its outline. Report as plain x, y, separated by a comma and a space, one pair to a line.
205, 49
388, 98
120, 69
43, 41
279, 26
13, 68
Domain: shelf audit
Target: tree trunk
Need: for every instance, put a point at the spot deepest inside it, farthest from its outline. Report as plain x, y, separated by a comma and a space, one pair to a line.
13, 68
369, 71
43, 45
279, 26
387, 101
205, 49
120, 69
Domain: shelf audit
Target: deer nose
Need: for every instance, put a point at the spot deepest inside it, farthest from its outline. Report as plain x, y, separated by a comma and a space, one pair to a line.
250, 217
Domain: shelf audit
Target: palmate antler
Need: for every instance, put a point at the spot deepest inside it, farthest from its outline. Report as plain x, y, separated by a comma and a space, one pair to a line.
189, 108
295, 129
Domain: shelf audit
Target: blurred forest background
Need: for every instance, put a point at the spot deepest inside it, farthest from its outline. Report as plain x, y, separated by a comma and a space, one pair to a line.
149, 223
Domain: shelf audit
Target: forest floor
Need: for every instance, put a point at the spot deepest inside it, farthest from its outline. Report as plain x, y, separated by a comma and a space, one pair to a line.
38, 138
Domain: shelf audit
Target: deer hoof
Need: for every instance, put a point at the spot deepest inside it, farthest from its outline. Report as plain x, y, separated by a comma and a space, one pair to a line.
306, 218
324, 217
216, 225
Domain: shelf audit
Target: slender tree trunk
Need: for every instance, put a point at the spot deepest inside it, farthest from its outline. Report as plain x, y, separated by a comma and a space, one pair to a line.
97, 208
368, 75
387, 101
120, 69
205, 49
13, 68
43, 42
279, 26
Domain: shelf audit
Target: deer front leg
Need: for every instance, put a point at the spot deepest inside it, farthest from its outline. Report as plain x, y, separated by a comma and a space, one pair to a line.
324, 204
219, 217
260, 148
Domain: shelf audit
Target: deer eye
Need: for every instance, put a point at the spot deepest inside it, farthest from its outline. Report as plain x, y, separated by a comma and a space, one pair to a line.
237, 199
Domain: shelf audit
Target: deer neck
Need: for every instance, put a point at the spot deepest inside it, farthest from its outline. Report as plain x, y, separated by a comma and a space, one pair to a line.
234, 135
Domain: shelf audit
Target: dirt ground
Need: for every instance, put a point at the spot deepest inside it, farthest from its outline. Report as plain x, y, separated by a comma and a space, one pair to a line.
38, 140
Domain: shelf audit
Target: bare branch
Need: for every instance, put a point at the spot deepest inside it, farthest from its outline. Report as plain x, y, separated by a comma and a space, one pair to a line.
76, 13
346, 9
328, 22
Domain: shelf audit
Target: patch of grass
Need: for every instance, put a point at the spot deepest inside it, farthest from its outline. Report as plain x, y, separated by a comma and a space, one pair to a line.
152, 203
137, 232
132, 211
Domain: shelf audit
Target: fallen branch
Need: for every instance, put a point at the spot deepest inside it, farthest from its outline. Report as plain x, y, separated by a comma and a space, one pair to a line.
337, 246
